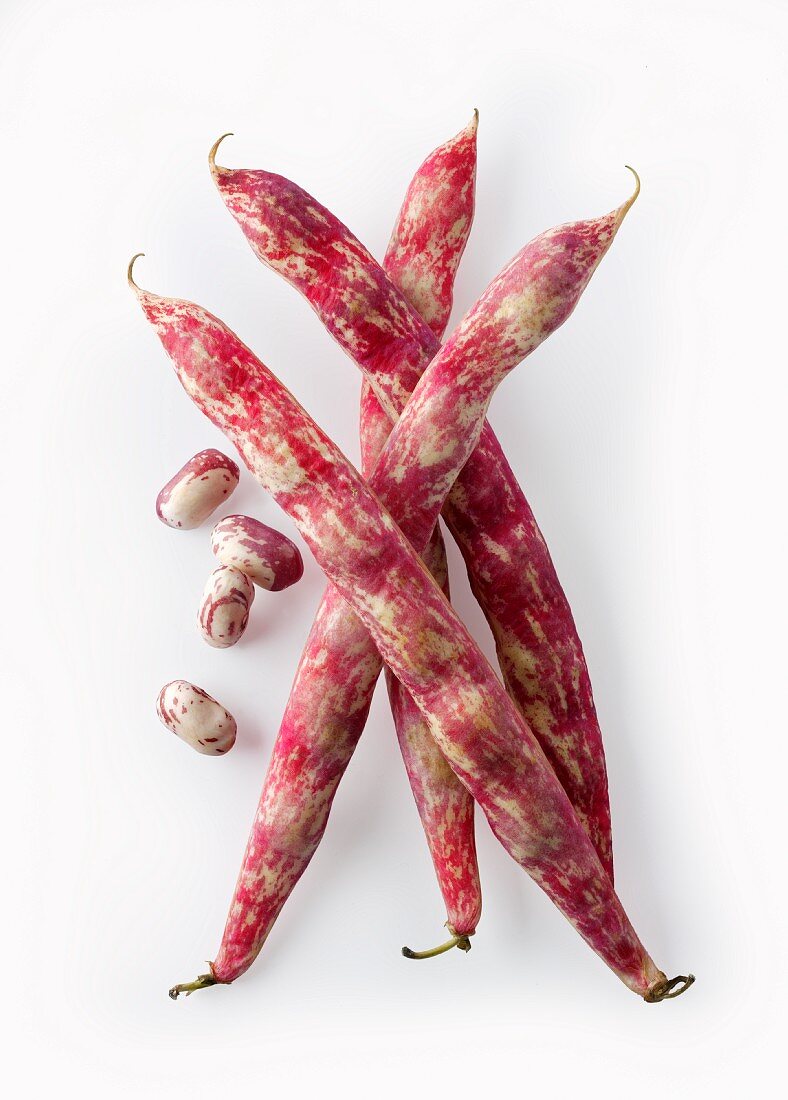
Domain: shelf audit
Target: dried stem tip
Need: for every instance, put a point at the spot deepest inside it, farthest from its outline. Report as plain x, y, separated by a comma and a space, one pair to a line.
462, 942
630, 201
202, 982
212, 155
669, 988
129, 275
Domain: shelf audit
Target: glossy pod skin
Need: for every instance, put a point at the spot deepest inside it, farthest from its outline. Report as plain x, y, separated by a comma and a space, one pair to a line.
422, 258
224, 611
509, 566
266, 556
198, 488
364, 553
196, 717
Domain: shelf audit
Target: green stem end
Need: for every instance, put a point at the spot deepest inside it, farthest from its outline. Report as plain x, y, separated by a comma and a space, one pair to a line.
202, 982
462, 942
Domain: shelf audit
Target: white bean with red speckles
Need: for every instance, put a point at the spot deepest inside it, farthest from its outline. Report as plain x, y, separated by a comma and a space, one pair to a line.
265, 555
198, 488
224, 611
196, 718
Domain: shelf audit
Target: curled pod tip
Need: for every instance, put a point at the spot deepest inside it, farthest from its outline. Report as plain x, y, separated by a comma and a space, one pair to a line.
214, 167
129, 270
630, 202
616, 217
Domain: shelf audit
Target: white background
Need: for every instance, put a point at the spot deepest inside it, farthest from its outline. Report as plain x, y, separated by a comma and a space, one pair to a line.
648, 434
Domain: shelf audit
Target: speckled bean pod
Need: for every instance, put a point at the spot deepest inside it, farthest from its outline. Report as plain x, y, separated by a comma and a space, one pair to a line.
374, 568
195, 716
509, 566
445, 807
331, 683
198, 488
423, 255
224, 610
265, 555
433, 226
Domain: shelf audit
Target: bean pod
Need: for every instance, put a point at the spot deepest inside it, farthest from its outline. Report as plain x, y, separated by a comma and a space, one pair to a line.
369, 560
196, 717
508, 562
422, 258
198, 488
265, 555
224, 611
433, 226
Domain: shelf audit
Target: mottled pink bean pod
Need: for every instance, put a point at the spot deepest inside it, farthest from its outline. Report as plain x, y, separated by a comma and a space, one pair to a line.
198, 488
422, 258
421, 466
225, 606
334, 684
196, 717
445, 807
374, 568
509, 566
433, 226
265, 555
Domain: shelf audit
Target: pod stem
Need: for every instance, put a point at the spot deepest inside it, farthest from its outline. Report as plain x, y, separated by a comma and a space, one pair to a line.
130, 268
636, 192
669, 988
202, 982
463, 942
214, 167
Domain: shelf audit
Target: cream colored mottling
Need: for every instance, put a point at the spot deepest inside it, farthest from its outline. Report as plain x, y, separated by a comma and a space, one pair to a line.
523, 660
345, 534
515, 314
287, 474
436, 647
536, 627
432, 454
467, 701
575, 674
383, 610
494, 547
539, 715
316, 212
533, 579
